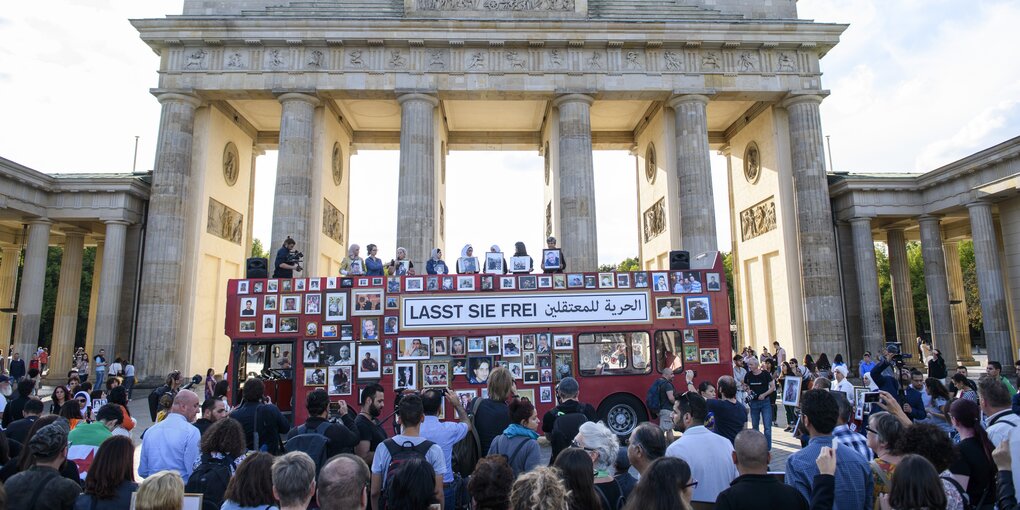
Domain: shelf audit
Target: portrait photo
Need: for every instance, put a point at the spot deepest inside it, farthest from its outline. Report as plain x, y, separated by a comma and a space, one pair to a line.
708, 356
713, 284
413, 284
459, 367
559, 281
288, 324
478, 369
859, 392
528, 282
331, 283
247, 326
242, 287
269, 302
272, 285
468, 265
529, 360
249, 306
340, 380
545, 394
435, 374
312, 329
623, 280
688, 336
337, 353
531, 377
369, 356
545, 375
544, 344
660, 282
640, 280
668, 308
388, 344
299, 285
564, 366
257, 287
465, 283
406, 376
392, 284
313, 284
439, 346
476, 345
699, 310
367, 302
606, 281
691, 353
347, 331
291, 303
458, 346
563, 342
432, 283
413, 348
403, 267
390, 325
507, 282
511, 345
286, 285
528, 342
370, 328
312, 353
552, 259
329, 331
575, 281
315, 377
544, 362
465, 397
313, 304
447, 283
485, 282
391, 303
791, 390
494, 263
589, 281
493, 345
545, 282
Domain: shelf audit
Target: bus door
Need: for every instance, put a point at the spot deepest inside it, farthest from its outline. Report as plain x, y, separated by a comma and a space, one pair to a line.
269, 360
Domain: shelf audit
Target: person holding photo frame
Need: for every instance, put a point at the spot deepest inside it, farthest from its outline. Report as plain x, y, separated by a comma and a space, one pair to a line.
352, 264
467, 263
400, 265
436, 264
521, 262
552, 257
495, 262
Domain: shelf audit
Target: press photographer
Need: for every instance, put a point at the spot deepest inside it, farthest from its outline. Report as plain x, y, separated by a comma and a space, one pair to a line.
288, 260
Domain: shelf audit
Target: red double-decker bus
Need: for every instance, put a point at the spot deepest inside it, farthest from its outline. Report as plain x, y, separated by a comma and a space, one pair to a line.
614, 332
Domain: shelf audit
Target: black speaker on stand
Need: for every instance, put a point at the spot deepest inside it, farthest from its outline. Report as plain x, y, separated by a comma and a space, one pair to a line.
256, 267
679, 260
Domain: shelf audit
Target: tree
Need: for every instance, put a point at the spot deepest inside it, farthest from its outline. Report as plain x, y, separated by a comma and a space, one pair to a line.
257, 251
51, 289
885, 291
916, 263
728, 269
970, 287
630, 264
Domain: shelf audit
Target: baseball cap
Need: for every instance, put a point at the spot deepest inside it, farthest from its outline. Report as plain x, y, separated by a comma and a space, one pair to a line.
568, 386
49, 440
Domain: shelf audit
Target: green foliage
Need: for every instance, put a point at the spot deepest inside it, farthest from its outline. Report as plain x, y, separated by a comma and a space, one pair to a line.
970, 286
916, 263
52, 282
257, 251
728, 269
88, 267
630, 264
885, 289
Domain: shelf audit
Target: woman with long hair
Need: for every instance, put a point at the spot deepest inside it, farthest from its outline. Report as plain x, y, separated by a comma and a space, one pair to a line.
791, 411
938, 406
519, 441
57, 399
975, 468
809, 364
578, 473
210, 383
71, 411
111, 479
252, 484
823, 362
490, 483
665, 485
932, 443
540, 489
521, 251
916, 486
223, 444
413, 486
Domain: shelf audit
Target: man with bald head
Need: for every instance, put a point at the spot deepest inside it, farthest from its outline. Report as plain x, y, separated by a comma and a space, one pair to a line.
755, 488
172, 444
343, 483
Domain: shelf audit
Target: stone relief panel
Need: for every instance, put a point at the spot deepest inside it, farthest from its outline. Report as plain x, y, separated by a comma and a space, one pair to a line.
654, 220
276, 59
495, 5
235, 60
332, 222
224, 222
758, 219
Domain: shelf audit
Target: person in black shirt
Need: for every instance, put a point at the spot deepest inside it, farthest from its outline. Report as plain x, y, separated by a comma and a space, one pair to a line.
491, 416
370, 432
281, 269
761, 386
269, 420
567, 392
755, 488
213, 410
730, 415
339, 436
15, 409
18, 429
975, 461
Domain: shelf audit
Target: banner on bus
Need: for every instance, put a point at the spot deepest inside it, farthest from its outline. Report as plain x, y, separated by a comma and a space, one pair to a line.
522, 310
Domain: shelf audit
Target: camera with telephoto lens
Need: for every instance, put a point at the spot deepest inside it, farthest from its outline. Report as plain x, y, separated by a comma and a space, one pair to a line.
294, 258
898, 356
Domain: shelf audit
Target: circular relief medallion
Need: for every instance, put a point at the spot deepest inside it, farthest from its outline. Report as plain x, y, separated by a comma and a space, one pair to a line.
231, 162
548, 160
338, 164
752, 163
651, 164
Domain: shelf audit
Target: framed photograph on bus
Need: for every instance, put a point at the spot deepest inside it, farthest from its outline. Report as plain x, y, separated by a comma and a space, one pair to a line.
313, 304
435, 374
529, 360
439, 344
699, 310
791, 390
392, 303
531, 377
544, 343
336, 307
377, 281
362, 282
709, 356
528, 342
564, 365
476, 345
544, 362
688, 336
406, 376
528, 394
465, 283
478, 369
315, 377
299, 285
288, 325
623, 281
485, 282
712, 283
458, 346
432, 283
545, 375
660, 282
563, 342
257, 287
494, 263
511, 346
669, 308
390, 326
691, 354
529, 282
340, 380
640, 280
337, 353
392, 284
312, 329
291, 304
347, 331
331, 283
370, 329
387, 370
559, 281
269, 303
272, 285
413, 348
606, 281
312, 353
242, 287
329, 331
466, 396
575, 281
492, 345
247, 326
589, 281
507, 282
249, 306
314, 284
367, 302
447, 283
286, 285
545, 282
552, 259
413, 284
545, 394
459, 367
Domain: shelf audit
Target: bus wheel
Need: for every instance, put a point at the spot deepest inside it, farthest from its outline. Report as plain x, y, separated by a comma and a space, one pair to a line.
621, 413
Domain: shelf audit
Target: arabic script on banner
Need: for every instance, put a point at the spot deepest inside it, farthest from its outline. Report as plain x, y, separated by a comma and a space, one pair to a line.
561, 309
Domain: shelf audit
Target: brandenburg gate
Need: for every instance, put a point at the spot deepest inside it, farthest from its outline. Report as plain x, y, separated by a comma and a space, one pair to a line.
668, 80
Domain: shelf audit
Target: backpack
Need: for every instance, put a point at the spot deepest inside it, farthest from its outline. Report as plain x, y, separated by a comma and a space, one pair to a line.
513, 454
314, 443
210, 480
652, 397
620, 501
400, 454
564, 431
959, 489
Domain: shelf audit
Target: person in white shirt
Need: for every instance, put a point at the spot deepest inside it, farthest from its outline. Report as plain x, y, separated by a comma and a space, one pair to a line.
842, 384
1001, 422
780, 353
129, 377
709, 454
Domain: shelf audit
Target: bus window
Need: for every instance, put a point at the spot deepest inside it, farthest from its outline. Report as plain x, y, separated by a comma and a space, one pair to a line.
667, 350
613, 353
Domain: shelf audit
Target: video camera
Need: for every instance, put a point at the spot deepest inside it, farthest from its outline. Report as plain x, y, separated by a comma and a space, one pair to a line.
894, 348
294, 258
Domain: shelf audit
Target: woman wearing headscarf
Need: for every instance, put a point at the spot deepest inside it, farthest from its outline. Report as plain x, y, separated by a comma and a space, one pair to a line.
521, 251
436, 265
467, 263
394, 267
495, 249
373, 265
352, 264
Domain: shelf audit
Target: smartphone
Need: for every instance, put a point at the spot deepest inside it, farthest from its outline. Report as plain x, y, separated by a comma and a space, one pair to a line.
871, 397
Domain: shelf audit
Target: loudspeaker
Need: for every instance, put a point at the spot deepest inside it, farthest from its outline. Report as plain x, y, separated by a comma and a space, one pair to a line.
256, 268
679, 260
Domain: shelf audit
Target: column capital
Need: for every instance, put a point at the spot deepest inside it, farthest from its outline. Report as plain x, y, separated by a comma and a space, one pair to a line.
287, 97
894, 229
39, 221
573, 98
677, 98
417, 96
176, 96
861, 219
979, 203
75, 232
117, 222
803, 96
929, 218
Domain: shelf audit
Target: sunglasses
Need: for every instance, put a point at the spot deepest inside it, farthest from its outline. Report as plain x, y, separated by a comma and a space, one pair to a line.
575, 444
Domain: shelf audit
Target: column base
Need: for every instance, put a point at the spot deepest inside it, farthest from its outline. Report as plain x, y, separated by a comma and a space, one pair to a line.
967, 362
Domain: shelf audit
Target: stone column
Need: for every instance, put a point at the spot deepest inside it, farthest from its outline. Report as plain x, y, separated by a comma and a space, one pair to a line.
158, 333
823, 304
33, 282
867, 285
902, 293
97, 276
694, 174
416, 202
1009, 219
851, 295
294, 170
958, 304
65, 322
990, 287
8, 284
577, 183
935, 281
108, 309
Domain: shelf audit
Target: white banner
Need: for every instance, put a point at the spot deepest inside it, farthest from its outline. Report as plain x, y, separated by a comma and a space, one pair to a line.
531, 309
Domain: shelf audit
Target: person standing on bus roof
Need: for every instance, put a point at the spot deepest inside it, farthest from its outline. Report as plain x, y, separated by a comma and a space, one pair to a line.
436, 265
373, 264
570, 412
550, 244
521, 251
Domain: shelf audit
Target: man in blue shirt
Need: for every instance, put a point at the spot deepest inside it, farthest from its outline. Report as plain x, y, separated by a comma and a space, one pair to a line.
445, 434
913, 403
172, 444
854, 484
866, 364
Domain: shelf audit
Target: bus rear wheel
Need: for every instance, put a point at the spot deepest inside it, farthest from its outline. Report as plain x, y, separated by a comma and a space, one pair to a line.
622, 413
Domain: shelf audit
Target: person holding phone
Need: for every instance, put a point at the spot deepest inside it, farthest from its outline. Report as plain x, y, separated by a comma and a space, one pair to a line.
445, 434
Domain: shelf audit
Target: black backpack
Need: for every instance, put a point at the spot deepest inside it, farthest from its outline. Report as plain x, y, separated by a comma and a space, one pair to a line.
399, 455
210, 480
564, 431
652, 397
313, 443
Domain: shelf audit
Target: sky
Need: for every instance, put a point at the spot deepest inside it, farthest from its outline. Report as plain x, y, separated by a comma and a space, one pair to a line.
915, 84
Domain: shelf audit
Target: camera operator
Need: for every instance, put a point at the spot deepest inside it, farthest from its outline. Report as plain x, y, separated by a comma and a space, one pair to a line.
891, 376
339, 434
285, 263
